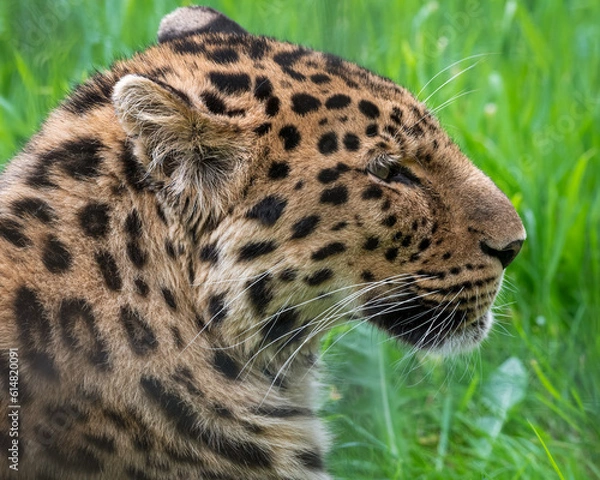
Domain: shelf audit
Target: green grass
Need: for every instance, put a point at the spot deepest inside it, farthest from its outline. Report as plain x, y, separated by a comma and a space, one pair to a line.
526, 110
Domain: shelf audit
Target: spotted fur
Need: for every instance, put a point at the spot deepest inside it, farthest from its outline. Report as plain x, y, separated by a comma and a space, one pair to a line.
186, 226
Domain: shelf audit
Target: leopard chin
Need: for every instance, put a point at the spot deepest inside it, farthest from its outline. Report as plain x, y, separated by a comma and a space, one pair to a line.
466, 338
442, 329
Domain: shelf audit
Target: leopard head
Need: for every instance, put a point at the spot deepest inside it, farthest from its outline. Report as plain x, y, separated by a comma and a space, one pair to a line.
314, 191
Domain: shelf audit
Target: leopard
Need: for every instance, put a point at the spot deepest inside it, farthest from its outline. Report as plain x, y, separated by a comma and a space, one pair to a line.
189, 223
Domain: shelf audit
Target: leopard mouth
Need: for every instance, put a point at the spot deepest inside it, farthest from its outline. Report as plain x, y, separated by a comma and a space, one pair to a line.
445, 328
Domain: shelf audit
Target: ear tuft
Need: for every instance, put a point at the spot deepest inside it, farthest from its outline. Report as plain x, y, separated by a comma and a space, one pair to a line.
192, 20
192, 153
143, 106
164, 120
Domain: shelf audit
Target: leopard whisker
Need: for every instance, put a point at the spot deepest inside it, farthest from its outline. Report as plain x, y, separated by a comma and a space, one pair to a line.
215, 315
445, 69
432, 320
326, 323
362, 321
452, 100
259, 324
452, 78
326, 314
365, 287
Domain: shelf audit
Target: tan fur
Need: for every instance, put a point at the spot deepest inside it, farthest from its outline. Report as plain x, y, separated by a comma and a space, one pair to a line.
191, 394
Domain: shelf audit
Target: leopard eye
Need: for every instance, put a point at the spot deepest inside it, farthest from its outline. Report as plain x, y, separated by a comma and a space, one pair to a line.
394, 173
380, 171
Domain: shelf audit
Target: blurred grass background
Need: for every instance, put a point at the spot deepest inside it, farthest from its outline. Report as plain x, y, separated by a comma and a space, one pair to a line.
516, 84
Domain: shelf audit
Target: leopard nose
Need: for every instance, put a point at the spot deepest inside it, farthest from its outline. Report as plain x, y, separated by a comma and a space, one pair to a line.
505, 254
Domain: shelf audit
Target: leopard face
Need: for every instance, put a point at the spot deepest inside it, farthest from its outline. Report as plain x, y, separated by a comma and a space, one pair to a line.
198, 216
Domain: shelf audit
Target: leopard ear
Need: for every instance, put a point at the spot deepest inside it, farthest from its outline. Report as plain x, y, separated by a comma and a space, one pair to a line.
195, 155
192, 20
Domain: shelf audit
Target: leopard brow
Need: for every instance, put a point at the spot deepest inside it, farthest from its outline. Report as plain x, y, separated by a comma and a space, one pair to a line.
384, 160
